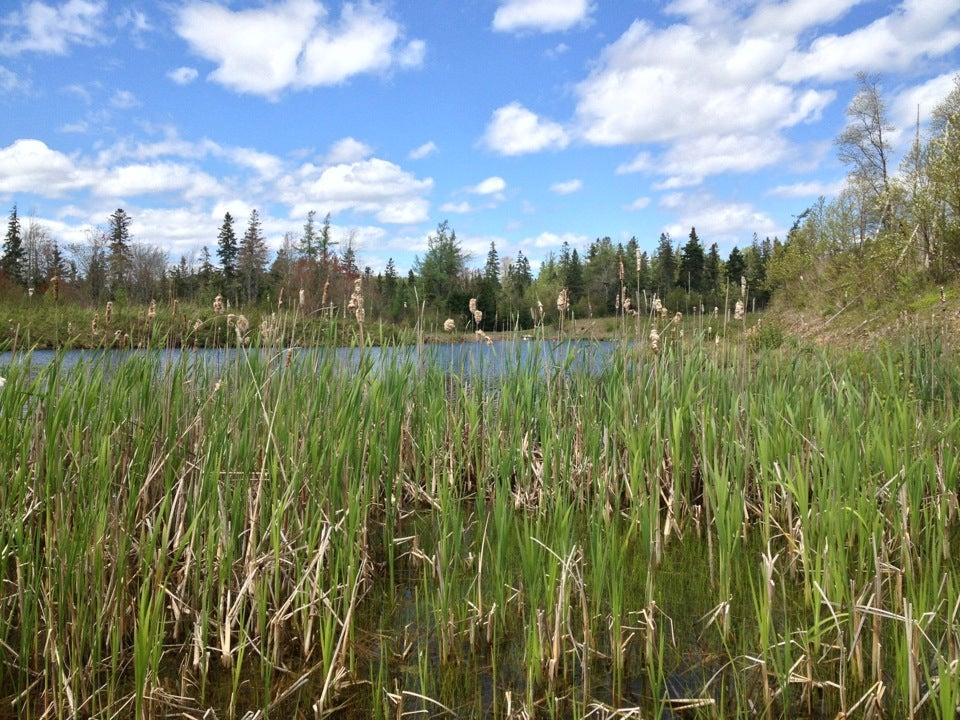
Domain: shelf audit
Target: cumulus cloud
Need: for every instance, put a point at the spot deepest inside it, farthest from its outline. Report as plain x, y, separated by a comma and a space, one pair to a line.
372, 186
456, 207
540, 15
348, 150
515, 130
52, 28
922, 98
294, 44
29, 166
491, 186
422, 151
183, 75
567, 187
808, 189
639, 204
718, 220
552, 240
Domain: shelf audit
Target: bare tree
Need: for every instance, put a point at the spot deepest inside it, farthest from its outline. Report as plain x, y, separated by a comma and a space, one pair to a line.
865, 148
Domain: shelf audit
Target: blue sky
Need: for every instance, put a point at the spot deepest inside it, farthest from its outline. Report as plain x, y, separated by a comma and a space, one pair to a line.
527, 122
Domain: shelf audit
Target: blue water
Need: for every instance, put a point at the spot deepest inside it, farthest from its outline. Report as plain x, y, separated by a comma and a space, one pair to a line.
467, 358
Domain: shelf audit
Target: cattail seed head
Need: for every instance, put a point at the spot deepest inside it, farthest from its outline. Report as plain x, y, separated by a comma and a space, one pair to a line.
326, 289
657, 305
738, 310
743, 286
93, 324
449, 325
152, 310
654, 340
108, 313
302, 298
478, 316
473, 305
218, 304
563, 301
242, 325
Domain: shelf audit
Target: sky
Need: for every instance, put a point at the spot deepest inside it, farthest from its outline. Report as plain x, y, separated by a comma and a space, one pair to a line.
524, 122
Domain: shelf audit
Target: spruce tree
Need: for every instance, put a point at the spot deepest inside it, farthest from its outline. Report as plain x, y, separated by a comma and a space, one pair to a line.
666, 266
574, 277
119, 239
227, 253
736, 266
252, 258
309, 242
13, 251
692, 262
711, 270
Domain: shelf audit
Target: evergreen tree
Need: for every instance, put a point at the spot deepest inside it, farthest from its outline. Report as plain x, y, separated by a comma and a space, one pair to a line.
491, 270
736, 266
57, 266
574, 277
227, 252
207, 270
119, 238
692, 263
711, 270
252, 258
522, 275
441, 269
13, 251
666, 266
390, 279
309, 245
325, 245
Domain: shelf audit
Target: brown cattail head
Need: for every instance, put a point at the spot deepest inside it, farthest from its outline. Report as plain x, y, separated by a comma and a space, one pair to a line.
678, 318
478, 316
639, 260
93, 324
743, 286
197, 325
356, 301
654, 340
738, 310
55, 285
449, 325
302, 297
152, 310
621, 270
943, 297
563, 301
473, 305
218, 304
108, 313
176, 304
657, 305
242, 325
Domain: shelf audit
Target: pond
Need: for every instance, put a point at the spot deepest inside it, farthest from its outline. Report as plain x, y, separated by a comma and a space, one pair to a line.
465, 358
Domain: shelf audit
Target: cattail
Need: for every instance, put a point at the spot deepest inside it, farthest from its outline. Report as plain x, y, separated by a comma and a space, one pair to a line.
55, 285
621, 271
280, 300
743, 286
108, 313
93, 324
563, 301
716, 311
176, 304
302, 298
197, 325
654, 340
738, 313
218, 305
242, 325
478, 316
3, 382
356, 301
152, 310
30, 292
678, 317
639, 260
657, 305
540, 308
473, 305
943, 298
481, 335
449, 325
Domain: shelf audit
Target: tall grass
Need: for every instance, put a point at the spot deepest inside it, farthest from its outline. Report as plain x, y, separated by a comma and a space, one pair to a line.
705, 531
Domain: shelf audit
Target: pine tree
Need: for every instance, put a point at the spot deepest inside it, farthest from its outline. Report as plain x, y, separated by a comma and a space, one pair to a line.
692, 262
736, 266
252, 258
522, 274
574, 277
491, 270
13, 251
325, 245
227, 251
207, 270
711, 270
309, 242
119, 238
390, 279
666, 266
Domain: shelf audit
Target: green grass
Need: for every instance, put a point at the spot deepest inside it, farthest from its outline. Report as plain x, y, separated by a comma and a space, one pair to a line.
766, 532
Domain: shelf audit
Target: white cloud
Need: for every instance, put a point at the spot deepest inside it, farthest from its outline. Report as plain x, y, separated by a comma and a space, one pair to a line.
29, 166
812, 188
124, 100
689, 161
39, 27
641, 163
639, 204
134, 180
693, 81
515, 130
458, 207
916, 29
551, 240
183, 75
294, 44
923, 98
348, 150
566, 187
491, 186
794, 16
425, 150
540, 15
9, 80
368, 186
718, 221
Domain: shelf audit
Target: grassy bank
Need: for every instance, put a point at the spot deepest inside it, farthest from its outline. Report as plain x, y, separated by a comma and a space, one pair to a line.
733, 533
49, 325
